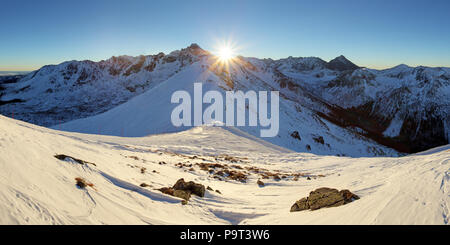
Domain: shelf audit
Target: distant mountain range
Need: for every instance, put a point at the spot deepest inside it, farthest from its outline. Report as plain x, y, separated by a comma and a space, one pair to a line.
332, 108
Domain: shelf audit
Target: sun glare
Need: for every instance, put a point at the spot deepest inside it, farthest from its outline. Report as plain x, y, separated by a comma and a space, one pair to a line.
225, 53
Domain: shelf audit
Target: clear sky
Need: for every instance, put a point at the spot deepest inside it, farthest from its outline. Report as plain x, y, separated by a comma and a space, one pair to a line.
372, 33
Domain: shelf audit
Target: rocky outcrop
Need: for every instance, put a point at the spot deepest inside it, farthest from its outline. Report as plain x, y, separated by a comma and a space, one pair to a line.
192, 187
323, 198
67, 158
183, 189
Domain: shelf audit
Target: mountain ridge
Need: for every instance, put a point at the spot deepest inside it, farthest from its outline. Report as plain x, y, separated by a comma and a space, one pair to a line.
73, 90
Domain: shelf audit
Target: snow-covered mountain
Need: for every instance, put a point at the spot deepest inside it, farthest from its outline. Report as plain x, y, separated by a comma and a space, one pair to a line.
77, 89
123, 175
332, 108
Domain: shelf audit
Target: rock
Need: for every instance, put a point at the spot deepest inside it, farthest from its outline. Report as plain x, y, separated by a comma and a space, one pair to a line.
63, 157
300, 205
184, 202
296, 135
348, 196
260, 183
276, 177
167, 190
218, 192
182, 194
325, 197
144, 185
194, 188
322, 198
82, 183
319, 139
209, 188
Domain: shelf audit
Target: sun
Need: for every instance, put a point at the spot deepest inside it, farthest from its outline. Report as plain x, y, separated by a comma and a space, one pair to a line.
226, 53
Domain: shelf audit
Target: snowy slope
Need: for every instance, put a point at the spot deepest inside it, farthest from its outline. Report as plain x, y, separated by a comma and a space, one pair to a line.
149, 113
37, 188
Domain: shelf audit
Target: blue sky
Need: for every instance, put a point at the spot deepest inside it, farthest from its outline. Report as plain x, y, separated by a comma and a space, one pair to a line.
372, 33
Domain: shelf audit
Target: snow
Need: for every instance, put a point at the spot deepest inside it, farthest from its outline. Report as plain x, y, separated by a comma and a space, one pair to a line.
149, 113
394, 127
37, 188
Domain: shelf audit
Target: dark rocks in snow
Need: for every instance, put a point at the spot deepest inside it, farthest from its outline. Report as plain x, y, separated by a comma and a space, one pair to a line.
167, 190
144, 185
63, 157
322, 198
194, 188
296, 135
260, 183
183, 189
319, 139
82, 183
300, 205
182, 194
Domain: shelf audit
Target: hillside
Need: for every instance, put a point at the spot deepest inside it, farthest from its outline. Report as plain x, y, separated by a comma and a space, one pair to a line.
37, 188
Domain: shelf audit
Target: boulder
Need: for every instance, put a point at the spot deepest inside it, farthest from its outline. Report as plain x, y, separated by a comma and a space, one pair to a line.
325, 197
322, 198
300, 205
194, 188
182, 194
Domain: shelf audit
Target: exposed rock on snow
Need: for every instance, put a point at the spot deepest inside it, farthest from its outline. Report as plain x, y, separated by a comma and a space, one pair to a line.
323, 198
82, 183
183, 189
260, 183
191, 186
66, 158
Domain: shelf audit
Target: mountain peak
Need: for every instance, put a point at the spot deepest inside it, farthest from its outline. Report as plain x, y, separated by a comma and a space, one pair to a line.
196, 50
194, 46
341, 63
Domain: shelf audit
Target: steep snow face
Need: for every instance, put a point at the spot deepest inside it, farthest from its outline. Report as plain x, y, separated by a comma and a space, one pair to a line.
37, 188
75, 89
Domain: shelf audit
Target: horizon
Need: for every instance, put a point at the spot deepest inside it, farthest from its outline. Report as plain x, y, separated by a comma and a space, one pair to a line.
17, 72
377, 34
